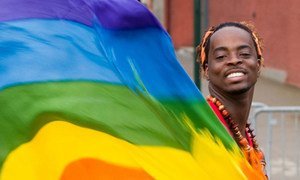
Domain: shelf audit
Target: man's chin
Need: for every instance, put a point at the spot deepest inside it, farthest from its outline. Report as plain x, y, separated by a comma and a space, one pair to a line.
239, 91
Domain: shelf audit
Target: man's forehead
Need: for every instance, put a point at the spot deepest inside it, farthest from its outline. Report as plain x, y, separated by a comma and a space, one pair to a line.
232, 36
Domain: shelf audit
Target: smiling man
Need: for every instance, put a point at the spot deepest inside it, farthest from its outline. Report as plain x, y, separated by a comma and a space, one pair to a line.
231, 58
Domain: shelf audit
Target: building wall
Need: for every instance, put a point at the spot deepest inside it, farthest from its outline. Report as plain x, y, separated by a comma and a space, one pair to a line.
278, 23
179, 21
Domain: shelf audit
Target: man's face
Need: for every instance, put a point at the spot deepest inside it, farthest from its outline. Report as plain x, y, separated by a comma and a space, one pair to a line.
232, 61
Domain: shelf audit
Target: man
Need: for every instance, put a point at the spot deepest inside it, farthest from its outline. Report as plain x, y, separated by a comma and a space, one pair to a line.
231, 59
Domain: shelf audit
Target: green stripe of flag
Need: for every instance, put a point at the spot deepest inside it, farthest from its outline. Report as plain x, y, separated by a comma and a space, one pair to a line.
110, 108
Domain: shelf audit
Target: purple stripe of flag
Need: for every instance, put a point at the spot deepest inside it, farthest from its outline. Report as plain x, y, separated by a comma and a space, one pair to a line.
113, 14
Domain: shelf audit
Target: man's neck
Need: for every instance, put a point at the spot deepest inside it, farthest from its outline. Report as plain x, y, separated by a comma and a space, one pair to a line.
238, 105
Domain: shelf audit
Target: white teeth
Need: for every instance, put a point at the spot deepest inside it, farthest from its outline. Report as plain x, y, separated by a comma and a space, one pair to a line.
237, 74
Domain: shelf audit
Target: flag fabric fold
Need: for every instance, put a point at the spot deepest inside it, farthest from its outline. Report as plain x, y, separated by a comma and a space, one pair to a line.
93, 89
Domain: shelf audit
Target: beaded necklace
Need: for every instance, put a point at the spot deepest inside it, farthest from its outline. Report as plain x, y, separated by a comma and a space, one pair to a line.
253, 154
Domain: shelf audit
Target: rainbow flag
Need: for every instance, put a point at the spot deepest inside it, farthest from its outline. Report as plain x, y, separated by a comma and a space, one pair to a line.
92, 89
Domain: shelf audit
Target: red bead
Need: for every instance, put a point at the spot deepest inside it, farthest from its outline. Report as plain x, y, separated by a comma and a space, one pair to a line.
225, 113
230, 122
236, 128
218, 103
221, 107
214, 100
209, 98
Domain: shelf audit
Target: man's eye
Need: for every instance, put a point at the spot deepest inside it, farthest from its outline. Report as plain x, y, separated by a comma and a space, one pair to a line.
245, 55
220, 57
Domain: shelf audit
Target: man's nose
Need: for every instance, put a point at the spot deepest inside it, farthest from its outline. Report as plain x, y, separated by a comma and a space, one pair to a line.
234, 60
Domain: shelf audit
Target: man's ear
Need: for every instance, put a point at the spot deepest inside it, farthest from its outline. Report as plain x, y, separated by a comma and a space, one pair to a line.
205, 71
259, 66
